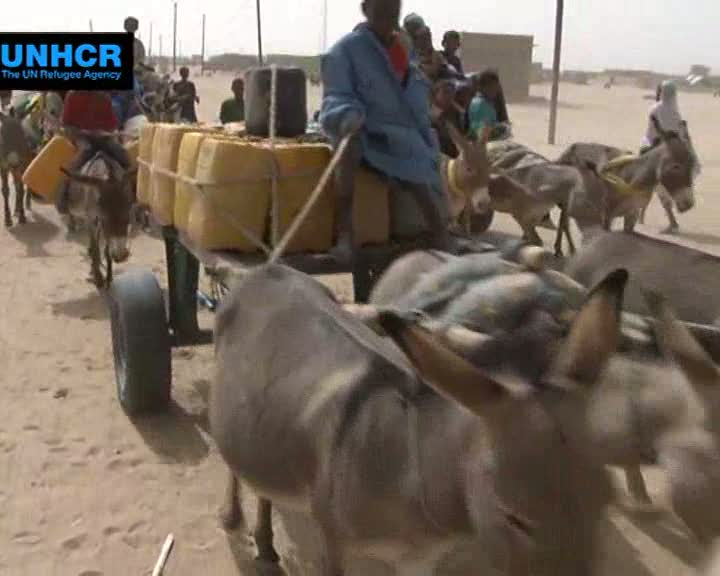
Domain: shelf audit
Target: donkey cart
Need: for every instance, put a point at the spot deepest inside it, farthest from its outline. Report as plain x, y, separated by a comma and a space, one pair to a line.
146, 324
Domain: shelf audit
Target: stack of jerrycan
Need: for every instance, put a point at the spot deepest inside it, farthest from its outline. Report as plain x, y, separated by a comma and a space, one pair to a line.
237, 192
233, 207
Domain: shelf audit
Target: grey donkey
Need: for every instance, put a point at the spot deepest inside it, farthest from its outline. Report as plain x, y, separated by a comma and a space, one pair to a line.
101, 195
15, 156
669, 166
403, 455
529, 193
528, 186
663, 407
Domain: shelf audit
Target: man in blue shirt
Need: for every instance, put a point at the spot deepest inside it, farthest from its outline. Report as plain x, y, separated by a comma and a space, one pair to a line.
376, 95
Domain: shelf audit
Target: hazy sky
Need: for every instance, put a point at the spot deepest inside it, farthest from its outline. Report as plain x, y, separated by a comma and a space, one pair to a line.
664, 35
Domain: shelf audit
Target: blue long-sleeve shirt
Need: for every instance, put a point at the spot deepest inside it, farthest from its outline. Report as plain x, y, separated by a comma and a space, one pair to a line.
397, 136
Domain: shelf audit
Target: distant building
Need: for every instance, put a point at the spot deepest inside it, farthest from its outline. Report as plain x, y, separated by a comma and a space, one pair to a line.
536, 74
511, 55
698, 70
576, 77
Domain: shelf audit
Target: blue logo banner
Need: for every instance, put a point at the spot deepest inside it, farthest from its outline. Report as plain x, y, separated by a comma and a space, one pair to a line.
66, 61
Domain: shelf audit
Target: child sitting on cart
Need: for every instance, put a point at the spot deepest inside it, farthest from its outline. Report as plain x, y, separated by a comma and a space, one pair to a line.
376, 96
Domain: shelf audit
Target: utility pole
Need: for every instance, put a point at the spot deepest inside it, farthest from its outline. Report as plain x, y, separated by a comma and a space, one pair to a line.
91, 26
202, 49
556, 71
325, 26
174, 36
259, 33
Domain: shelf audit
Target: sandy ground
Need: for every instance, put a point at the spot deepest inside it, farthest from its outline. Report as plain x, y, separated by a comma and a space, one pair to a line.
84, 491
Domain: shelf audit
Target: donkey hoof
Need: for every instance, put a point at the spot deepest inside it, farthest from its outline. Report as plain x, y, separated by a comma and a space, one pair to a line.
672, 229
267, 556
22, 219
8, 223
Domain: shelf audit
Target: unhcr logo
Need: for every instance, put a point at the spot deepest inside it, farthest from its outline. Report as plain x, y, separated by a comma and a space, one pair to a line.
66, 61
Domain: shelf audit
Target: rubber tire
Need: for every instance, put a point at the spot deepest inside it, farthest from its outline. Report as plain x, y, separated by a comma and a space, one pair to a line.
141, 343
480, 223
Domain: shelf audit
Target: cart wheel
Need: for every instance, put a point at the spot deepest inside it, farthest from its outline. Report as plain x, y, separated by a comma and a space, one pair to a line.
141, 343
480, 223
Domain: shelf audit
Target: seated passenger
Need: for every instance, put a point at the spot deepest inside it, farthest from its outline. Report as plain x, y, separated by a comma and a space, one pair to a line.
488, 108
446, 111
376, 96
451, 45
233, 109
431, 61
89, 120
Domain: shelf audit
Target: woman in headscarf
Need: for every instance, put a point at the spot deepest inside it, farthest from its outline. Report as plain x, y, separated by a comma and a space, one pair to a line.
666, 112
488, 108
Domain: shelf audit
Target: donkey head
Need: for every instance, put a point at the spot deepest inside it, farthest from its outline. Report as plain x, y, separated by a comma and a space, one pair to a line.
472, 168
688, 450
114, 195
675, 171
541, 467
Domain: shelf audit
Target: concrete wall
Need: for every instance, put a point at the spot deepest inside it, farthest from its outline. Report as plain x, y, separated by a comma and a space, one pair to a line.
511, 55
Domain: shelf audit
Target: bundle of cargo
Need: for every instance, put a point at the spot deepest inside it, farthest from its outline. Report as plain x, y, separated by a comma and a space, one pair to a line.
230, 213
165, 153
186, 167
230, 203
43, 175
145, 145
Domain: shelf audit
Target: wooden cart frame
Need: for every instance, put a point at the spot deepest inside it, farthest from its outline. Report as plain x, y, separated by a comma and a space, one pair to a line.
148, 323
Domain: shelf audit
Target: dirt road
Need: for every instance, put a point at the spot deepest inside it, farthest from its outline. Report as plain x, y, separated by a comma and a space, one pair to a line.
86, 492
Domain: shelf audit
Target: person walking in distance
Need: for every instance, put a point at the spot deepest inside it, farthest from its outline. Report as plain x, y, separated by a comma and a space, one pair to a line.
186, 94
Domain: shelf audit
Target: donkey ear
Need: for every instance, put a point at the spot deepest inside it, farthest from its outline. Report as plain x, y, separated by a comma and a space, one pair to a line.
83, 179
676, 342
447, 372
595, 334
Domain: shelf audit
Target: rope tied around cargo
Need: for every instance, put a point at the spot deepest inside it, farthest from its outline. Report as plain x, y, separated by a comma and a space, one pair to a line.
314, 197
275, 207
275, 174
